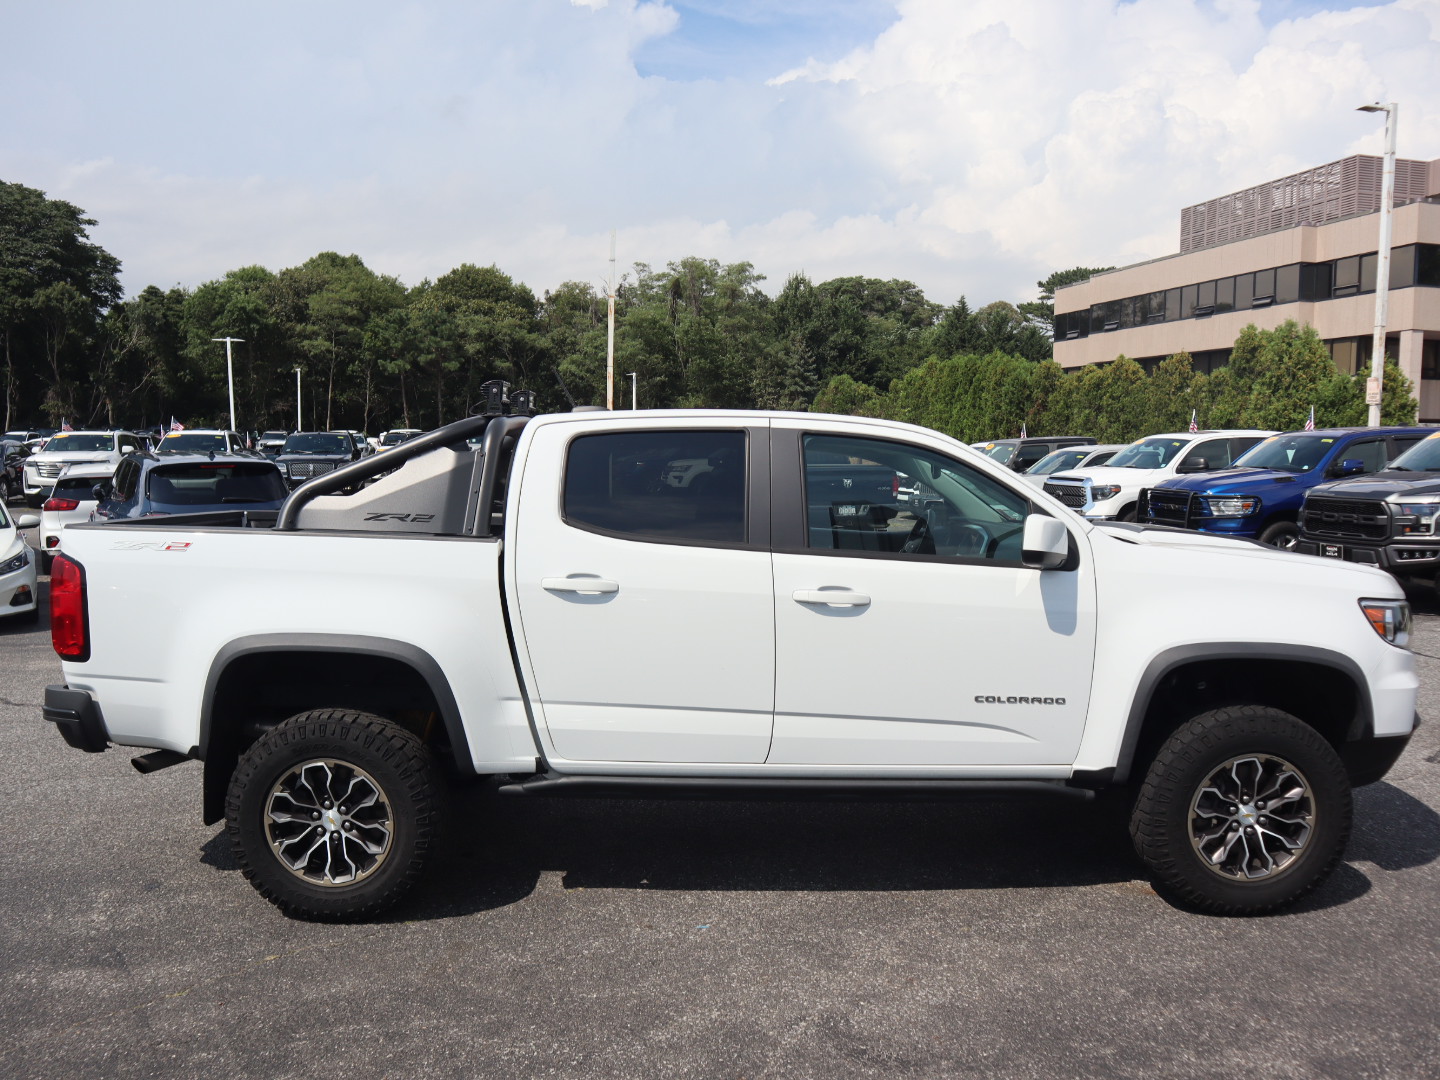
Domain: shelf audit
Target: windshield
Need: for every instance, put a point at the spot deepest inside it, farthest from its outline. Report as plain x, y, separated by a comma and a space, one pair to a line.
1149, 453
1287, 453
395, 438
1003, 452
69, 443
213, 484
194, 442
1057, 460
1424, 456
317, 443
273, 436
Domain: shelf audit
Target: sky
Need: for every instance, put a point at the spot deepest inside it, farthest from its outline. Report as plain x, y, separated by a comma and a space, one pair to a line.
969, 146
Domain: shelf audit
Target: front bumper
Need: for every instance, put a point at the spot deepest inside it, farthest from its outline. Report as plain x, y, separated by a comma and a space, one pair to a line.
78, 717
18, 591
1368, 760
1403, 559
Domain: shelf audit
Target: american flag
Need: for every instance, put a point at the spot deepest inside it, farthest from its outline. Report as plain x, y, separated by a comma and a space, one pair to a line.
1022, 432
65, 425
176, 425
1193, 425
1310, 423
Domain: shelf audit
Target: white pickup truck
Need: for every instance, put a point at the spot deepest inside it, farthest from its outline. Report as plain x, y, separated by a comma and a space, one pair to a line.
551, 614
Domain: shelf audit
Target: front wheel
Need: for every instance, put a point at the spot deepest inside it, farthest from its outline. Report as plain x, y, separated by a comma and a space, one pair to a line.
1283, 535
332, 814
1244, 810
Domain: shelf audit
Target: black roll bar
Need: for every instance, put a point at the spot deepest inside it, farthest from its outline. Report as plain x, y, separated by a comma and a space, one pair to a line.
382, 462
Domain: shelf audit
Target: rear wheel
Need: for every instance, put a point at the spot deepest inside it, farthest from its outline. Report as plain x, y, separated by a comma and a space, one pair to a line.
333, 814
1283, 534
1244, 810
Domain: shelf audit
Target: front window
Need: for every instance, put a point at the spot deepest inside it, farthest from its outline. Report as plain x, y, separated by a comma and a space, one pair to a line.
851, 486
659, 485
213, 484
1149, 453
70, 443
316, 443
1286, 453
1001, 453
193, 442
1057, 460
1424, 456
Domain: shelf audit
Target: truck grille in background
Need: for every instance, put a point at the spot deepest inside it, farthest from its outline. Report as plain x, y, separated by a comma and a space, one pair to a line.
1072, 495
305, 470
1345, 518
49, 470
1168, 507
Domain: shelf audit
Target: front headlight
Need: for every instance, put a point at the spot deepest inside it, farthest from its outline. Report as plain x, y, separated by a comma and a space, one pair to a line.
1101, 492
1232, 506
19, 561
1390, 619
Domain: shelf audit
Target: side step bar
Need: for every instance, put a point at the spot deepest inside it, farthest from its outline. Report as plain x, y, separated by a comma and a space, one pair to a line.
761, 788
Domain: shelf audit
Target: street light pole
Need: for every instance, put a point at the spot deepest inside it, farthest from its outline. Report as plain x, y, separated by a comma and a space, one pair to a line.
230, 376
631, 374
297, 399
1382, 262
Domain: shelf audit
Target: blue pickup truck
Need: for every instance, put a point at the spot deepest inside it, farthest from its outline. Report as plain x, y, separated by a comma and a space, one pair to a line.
1260, 496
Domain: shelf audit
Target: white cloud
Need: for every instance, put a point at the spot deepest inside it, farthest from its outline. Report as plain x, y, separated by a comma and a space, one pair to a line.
970, 147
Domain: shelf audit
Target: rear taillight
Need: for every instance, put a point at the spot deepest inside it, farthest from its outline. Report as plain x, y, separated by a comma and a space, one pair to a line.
69, 619
895, 484
61, 504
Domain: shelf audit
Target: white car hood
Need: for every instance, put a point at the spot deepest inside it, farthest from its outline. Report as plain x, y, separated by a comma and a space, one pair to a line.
10, 545
1104, 474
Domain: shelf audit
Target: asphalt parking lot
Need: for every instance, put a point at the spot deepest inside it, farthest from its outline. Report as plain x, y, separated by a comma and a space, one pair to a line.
727, 940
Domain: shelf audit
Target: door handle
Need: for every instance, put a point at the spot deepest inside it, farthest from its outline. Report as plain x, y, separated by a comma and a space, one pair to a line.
837, 597
579, 585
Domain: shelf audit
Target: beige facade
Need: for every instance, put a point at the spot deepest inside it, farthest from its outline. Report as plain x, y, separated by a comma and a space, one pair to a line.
1343, 315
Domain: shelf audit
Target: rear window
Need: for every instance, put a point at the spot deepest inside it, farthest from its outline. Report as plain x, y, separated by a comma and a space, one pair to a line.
659, 485
214, 484
316, 443
81, 485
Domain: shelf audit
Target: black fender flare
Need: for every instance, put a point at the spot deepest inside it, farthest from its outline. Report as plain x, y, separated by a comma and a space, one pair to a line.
352, 644
1167, 661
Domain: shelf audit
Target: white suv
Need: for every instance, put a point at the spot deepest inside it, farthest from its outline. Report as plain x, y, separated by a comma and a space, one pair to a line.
75, 448
1109, 492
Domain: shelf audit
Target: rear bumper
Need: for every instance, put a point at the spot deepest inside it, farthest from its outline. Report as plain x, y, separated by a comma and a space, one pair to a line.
78, 717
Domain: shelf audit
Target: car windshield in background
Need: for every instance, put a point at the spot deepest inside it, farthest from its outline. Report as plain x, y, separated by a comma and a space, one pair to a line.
1149, 454
273, 436
317, 444
395, 438
211, 484
1001, 453
193, 443
1287, 453
69, 443
1057, 460
1424, 456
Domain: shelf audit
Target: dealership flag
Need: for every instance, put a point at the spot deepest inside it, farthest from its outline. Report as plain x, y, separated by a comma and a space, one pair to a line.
1022, 432
1310, 424
1193, 425
65, 425
176, 425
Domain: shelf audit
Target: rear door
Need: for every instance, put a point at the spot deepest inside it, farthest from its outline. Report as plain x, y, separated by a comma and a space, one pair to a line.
641, 568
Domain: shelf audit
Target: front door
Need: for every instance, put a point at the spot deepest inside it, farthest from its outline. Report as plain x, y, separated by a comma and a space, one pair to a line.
646, 605
909, 633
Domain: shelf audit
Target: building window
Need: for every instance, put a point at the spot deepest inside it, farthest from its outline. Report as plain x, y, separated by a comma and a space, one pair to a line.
1427, 264
1347, 276
1368, 265
1430, 360
1264, 288
1225, 294
1287, 284
1345, 354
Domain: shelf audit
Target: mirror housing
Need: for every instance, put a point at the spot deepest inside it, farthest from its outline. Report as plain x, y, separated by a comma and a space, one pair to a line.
1348, 467
1198, 465
127, 449
29, 521
1045, 543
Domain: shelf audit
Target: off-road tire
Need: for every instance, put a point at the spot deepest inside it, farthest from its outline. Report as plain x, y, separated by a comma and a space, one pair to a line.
398, 763
1283, 535
1164, 819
